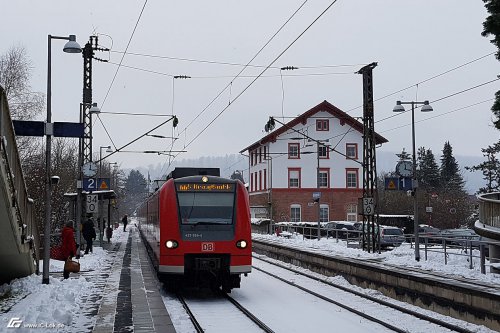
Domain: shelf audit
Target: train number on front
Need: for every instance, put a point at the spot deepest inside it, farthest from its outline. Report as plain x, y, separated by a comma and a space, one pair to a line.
207, 247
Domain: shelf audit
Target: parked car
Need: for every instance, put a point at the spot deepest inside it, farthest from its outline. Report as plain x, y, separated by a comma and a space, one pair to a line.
464, 238
429, 233
340, 229
391, 236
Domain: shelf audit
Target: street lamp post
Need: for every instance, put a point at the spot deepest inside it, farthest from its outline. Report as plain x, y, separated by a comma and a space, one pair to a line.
101, 219
70, 47
425, 108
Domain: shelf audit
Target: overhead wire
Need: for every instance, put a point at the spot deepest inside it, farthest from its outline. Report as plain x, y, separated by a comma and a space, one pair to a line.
116, 73
426, 80
239, 73
230, 76
265, 69
228, 63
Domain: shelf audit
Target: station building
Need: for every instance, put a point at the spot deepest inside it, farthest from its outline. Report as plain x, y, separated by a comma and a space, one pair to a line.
283, 168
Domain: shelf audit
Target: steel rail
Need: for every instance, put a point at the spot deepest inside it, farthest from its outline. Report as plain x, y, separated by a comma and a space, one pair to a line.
250, 315
357, 293
195, 322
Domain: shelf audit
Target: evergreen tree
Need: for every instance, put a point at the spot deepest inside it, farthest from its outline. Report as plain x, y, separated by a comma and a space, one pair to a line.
428, 172
451, 178
135, 191
490, 169
491, 26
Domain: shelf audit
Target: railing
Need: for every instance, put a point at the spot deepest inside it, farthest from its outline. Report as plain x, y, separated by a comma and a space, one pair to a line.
435, 243
19, 195
489, 209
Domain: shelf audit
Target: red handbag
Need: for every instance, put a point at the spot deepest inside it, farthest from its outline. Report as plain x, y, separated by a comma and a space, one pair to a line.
56, 253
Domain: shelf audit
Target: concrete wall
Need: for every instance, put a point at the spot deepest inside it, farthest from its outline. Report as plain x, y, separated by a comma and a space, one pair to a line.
475, 304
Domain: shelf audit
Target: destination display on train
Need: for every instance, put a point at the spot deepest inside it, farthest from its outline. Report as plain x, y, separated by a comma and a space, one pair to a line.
200, 187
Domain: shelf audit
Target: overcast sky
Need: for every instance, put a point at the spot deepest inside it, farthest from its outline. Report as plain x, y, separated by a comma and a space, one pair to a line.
412, 41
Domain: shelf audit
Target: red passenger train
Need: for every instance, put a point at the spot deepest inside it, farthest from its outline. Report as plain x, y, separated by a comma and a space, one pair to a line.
197, 227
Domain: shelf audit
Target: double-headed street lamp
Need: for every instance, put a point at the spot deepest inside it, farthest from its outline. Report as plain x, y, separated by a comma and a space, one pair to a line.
425, 108
70, 47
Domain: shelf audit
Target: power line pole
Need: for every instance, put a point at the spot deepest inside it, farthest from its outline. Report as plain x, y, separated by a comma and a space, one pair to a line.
370, 196
85, 143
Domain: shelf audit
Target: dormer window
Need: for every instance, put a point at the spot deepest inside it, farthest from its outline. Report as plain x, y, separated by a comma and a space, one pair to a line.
322, 125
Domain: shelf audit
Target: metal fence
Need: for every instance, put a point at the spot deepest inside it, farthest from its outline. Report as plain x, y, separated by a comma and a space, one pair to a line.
464, 246
15, 180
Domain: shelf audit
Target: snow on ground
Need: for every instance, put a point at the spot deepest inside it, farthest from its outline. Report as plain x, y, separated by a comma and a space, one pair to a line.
60, 305
404, 256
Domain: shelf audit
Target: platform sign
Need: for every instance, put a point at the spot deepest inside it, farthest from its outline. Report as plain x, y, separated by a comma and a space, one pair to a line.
90, 184
92, 203
368, 206
103, 184
398, 183
405, 183
391, 183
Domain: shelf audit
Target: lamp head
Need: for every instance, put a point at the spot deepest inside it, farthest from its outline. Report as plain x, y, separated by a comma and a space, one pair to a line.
109, 150
94, 108
398, 107
72, 46
426, 107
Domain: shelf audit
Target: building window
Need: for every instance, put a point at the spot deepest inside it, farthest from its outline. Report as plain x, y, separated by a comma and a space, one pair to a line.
351, 178
323, 152
260, 154
324, 178
251, 182
260, 180
293, 178
255, 181
322, 125
352, 212
295, 213
293, 150
265, 179
351, 151
265, 153
251, 158
324, 213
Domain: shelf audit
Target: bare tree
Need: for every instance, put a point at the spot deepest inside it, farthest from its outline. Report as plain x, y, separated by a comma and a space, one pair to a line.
15, 74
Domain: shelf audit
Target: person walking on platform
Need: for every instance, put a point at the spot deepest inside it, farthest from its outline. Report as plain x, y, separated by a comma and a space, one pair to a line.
125, 222
89, 234
68, 243
109, 233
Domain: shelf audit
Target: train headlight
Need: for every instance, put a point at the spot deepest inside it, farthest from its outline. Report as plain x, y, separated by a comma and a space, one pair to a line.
241, 244
171, 244
204, 179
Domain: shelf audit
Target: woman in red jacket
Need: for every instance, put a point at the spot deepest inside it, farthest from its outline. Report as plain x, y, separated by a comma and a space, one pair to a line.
68, 243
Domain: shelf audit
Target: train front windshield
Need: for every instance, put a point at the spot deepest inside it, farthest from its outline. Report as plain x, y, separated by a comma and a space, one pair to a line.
206, 208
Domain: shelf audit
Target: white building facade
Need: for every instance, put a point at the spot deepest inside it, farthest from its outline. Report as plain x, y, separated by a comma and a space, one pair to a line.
283, 167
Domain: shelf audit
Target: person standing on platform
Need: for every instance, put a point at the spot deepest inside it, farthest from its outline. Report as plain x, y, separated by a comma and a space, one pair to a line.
89, 234
68, 243
125, 222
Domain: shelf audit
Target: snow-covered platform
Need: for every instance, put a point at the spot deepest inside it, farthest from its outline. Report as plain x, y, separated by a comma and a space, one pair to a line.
132, 300
116, 290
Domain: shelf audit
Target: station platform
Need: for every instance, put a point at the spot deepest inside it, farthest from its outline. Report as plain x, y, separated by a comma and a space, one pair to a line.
131, 300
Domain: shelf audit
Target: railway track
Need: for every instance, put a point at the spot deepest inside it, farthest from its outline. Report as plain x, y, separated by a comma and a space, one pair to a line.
393, 306
196, 314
